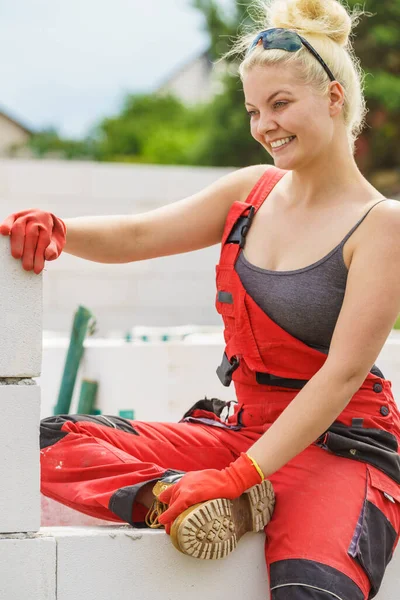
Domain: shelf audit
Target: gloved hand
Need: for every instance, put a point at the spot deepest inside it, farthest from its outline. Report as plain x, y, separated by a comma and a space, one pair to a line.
36, 236
199, 486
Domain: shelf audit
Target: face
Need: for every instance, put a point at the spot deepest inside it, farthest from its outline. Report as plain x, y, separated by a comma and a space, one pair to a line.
279, 106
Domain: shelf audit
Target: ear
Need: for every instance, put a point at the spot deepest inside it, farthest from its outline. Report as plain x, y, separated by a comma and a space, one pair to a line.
336, 98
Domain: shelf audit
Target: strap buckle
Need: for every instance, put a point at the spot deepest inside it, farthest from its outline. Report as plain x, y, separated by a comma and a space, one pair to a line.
241, 228
226, 368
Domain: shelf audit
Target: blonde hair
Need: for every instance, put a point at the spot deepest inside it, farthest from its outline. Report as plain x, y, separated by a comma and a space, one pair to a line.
327, 26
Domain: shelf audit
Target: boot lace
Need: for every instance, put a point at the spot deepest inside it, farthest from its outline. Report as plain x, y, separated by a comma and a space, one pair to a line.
156, 509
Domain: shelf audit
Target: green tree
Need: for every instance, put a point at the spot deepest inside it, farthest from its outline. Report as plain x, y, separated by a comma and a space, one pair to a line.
48, 142
149, 129
376, 44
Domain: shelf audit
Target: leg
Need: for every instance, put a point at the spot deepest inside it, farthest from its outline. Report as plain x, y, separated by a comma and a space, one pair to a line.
97, 465
333, 530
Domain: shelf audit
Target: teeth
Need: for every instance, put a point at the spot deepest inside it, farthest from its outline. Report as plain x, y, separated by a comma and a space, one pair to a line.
282, 142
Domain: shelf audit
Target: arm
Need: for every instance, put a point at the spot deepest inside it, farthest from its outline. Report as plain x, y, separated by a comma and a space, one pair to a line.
189, 224
369, 311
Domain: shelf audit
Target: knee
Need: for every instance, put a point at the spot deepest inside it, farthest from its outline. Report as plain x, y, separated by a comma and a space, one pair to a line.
301, 579
51, 430
300, 592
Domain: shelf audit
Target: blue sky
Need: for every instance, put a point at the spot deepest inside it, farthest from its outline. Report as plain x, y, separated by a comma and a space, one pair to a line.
67, 63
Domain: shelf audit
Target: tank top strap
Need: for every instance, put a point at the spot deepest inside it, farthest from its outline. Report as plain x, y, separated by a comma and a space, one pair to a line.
360, 221
264, 185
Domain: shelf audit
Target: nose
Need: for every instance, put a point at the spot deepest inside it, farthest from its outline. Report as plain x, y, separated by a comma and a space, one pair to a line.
265, 124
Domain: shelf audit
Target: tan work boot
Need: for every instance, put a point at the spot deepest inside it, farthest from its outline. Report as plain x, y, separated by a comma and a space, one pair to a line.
212, 529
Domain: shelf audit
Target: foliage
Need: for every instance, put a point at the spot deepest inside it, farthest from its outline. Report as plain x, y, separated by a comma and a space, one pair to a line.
160, 129
48, 143
150, 129
375, 43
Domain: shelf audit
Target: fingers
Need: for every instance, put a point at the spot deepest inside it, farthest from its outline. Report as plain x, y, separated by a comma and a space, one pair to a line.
18, 239
29, 248
165, 496
6, 225
169, 516
177, 506
51, 252
29, 241
42, 248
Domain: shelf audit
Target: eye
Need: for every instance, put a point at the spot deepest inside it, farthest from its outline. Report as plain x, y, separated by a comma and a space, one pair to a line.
251, 113
280, 102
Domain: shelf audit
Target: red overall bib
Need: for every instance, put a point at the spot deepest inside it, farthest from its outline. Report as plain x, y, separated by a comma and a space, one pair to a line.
337, 516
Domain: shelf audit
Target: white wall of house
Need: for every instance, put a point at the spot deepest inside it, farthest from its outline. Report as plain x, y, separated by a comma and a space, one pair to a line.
11, 134
197, 81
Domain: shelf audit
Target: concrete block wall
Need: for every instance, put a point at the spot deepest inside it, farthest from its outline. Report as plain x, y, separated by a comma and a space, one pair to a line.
173, 290
27, 562
159, 380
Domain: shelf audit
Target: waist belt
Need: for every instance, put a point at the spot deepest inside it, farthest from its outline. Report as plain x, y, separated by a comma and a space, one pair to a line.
226, 368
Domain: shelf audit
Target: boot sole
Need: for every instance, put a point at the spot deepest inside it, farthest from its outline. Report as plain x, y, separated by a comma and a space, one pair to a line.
211, 530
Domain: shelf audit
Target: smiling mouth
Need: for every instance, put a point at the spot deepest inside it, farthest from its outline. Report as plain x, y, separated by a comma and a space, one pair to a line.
278, 148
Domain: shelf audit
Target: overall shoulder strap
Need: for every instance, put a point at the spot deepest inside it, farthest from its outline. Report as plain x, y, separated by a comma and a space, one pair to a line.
264, 186
235, 219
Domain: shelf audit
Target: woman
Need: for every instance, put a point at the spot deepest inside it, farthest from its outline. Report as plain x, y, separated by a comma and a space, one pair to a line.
316, 426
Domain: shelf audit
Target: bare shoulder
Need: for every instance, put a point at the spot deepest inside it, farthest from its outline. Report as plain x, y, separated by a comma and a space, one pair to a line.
385, 218
248, 177
242, 180
381, 229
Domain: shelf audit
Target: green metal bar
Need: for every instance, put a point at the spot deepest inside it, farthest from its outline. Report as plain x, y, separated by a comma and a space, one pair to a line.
75, 351
87, 397
127, 414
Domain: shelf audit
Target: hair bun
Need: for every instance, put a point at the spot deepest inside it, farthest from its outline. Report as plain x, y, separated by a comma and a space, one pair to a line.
318, 17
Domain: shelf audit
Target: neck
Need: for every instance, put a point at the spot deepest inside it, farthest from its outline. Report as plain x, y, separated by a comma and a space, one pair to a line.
326, 179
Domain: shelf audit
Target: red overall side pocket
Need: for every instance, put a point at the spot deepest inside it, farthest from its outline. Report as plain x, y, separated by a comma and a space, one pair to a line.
224, 296
377, 531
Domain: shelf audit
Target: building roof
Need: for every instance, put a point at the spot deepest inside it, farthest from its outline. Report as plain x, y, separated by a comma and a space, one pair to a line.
205, 55
6, 115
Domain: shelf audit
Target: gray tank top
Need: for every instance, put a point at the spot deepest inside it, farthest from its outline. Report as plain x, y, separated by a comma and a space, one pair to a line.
305, 302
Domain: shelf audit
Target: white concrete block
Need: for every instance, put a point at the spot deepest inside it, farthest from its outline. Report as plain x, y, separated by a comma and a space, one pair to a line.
20, 317
94, 291
193, 367
389, 362
34, 179
19, 457
124, 562
28, 568
147, 183
55, 514
159, 381
391, 582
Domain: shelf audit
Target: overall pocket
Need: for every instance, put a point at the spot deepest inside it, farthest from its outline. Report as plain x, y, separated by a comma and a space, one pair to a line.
377, 531
376, 447
216, 413
224, 297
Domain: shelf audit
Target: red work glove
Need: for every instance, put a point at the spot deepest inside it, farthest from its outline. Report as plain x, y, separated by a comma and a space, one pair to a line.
199, 486
36, 236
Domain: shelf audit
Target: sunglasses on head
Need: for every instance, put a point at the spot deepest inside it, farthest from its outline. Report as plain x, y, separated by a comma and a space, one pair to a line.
285, 39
